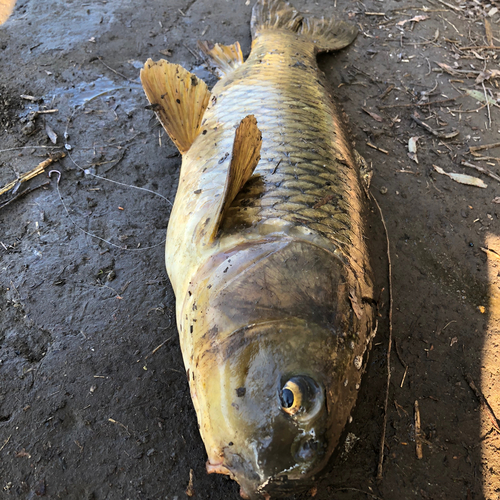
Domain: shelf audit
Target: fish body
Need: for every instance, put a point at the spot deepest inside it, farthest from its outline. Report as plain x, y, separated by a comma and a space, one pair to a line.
266, 251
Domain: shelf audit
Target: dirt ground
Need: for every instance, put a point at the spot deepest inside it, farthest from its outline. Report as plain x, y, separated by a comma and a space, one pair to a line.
94, 403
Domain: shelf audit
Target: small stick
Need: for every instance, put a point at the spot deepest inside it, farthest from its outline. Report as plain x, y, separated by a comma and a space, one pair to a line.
483, 401
118, 423
22, 193
156, 348
479, 47
487, 103
5, 442
387, 91
456, 9
405, 366
33, 173
418, 436
377, 148
417, 104
114, 70
389, 266
197, 57
482, 170
484, 146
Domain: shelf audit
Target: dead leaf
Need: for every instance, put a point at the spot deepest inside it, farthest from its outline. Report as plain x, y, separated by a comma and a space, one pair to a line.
412, 149
376, 117
486, 75
447, 68
52, 135
415, 19
462, 178
479, 96
412, 144
496, 200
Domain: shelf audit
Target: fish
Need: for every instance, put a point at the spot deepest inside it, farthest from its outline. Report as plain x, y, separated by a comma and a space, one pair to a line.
266, 250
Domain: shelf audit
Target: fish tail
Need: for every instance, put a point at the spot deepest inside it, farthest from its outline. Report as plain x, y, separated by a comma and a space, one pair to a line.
327, 33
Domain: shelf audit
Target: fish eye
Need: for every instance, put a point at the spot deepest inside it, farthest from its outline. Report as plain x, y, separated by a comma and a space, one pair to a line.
291, 397
301, 397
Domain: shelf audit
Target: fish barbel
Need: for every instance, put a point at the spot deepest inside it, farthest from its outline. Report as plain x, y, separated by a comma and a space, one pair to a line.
266, 250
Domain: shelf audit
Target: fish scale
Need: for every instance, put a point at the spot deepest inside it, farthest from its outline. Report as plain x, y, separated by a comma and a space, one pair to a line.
315, 171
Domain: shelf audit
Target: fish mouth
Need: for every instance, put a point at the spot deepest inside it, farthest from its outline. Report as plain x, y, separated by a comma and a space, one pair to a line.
260, 485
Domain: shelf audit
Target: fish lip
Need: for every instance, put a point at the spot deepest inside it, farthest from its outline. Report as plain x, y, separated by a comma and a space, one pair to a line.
254, 486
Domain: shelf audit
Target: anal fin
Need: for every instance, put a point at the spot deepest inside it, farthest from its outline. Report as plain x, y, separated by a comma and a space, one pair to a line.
226, 58
245, 157
178, 98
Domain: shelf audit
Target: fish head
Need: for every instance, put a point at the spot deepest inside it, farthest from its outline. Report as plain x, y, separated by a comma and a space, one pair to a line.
272, 419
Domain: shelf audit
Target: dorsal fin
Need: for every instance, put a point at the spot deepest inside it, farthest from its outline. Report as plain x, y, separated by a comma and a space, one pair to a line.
244, 158
225, 58
178, 98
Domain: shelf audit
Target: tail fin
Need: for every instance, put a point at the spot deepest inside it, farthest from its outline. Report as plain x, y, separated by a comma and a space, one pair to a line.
327, 34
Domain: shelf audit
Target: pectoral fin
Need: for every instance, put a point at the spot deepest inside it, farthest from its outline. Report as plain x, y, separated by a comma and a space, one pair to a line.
178, 98
244, 159
225, 58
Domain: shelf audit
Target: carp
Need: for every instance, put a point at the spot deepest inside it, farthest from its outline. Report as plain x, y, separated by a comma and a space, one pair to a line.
266, 250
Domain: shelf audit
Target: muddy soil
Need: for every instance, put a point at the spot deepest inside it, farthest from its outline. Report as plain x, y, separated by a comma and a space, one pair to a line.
94, 402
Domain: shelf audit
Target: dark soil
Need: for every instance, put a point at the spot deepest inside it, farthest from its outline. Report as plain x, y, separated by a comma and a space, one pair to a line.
89, 407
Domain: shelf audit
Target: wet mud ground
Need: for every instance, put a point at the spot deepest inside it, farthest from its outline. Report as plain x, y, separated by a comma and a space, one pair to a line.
94, 402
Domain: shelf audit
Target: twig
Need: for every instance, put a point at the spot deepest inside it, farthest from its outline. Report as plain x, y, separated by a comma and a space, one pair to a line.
435, 133
473, 149
23, 193
115, 72
491, 252
483, 401
487, 104
478, 47
377, 148
453, 7
389, 271
5, 442
405, 366
482, 170
120, 424
197, 57
33, 172
157, 348
418, 433
417, 103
